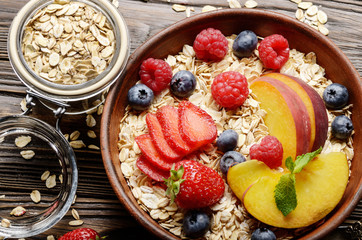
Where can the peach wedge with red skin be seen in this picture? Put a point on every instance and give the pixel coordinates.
(314, 104)
(296, 114)
(287, 117)
(319, 187)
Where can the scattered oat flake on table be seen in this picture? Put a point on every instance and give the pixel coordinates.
(91, 122)
(311, 11)
(22, 141)
(179, 8)
(251, 4)
(322, 17)
(299, 14)
(74, 135)
(92, 146)
(27, 154)
(76, 223)
(18, 211)
(296, 1)
(50, 237)
(35, 196)
(51, 181)
(208, 8)
(305, 5)
(2, 196)
(323, 29)
(75, 214)
(77, 144)
(91, 134)
(5, 223)
(45, 175)
(234, 4)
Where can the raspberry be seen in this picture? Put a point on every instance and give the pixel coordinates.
(274, 51)
(269, 151)
(210, 45)
(155, 74)
(230, 89)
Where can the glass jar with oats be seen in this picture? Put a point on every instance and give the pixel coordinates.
(69, 51)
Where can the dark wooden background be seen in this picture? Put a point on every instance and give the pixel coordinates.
(96, 203)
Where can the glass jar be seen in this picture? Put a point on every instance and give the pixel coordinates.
(47, 150)
(80, 97)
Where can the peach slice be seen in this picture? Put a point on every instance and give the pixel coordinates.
(319, 187)
(287, 117)
(314, 104)
(320, 113)
(295, 86)
(243, 176)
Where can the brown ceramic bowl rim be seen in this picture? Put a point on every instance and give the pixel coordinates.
(140, 215)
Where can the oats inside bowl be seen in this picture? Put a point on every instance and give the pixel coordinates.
(230, 220)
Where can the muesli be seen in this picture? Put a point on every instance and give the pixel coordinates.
(230, 220)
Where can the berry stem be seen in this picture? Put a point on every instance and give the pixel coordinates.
(174, 182)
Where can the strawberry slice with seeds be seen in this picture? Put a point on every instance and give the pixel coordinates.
(169, 120)
(150, 152)
(158, 139)
(197, 127)
(153, 172)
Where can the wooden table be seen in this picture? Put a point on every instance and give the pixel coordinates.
(96, 202)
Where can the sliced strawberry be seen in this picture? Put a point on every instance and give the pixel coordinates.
(158, 139)
(197, 127)
(149, 150)
(153, 172)
(168, 118)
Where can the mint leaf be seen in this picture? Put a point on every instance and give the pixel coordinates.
(289, 163)
(285, 195)
(304, 159)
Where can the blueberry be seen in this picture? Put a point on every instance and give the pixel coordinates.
(263, 234)
(227, 140)
(196, 223)
(342, 127)
(183, 83)
(140, 97)
(245, 43)
(335, 96)
(229, 159)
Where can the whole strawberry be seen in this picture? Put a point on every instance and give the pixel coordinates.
(194, 185)
(81, 234)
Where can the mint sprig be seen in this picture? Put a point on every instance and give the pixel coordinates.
(285, 194)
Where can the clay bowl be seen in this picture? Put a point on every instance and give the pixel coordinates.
(263, 23)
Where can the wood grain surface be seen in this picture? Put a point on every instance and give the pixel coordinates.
(96, 203)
